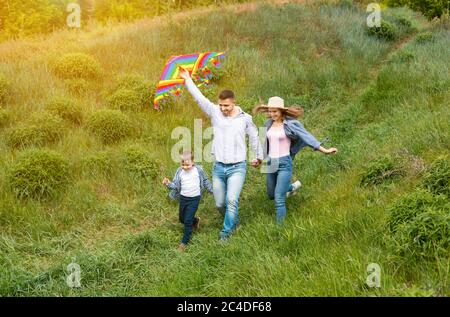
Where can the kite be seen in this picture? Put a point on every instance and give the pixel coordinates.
(198, 65)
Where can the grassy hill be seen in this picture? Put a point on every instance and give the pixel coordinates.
(383, 103)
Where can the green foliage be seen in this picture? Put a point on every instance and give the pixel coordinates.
(386, 31)
(133, 87)
(39, 173)
(76, 65)
(437, 178)
(66, 109)
(380, 170)
(109, 125)
(77, 86)
(139, 162)
(124, 99)
(143, 243)
(43, 128)
(5, 90)
(430, 8)
(100, 163)
(403, 56)
(424, 37)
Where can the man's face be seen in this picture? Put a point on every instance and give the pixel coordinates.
(226, 106)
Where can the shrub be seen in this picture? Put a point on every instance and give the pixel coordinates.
(124, 99)
(427, 235)
(76, 65)
(98, 163)
(437, 178)
(430, 8)
(66, 109)
(77, 86)
(404, 21)
(141, 88)
(404, 56)
(43, 128)
(109, 125)
(139, 162)
(39, 173)
(386, 31)
(4, 118)
(5, 90)
(424, 37)
(380, 170)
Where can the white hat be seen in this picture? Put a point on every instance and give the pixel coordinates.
(275, 102)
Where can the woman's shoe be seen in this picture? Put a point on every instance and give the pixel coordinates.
(296, 185)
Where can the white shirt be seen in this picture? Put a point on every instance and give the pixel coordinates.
(190, 182)
(228, 145)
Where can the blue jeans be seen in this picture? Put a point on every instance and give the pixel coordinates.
(228, 180)
(279, 183)
(188, 208)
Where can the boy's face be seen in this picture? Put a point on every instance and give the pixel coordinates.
(187, 164)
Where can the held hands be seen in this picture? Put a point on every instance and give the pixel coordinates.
(166, 181)
(255, 163)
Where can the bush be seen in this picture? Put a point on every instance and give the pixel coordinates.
(109, 125)
(139, 162)
(424, 37)
(77, 86)
(5, 90)
(380, 170)
(124, 99)
(39, 174)
(43, 128)
(404, 56)
(76, 65)
(386, 31)
(66, 109)
(430, 8)
(99, 163)
(141, 88)
(4, 118)
(427, 235)
(437, 178)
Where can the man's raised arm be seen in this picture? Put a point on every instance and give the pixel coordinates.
(207, 106)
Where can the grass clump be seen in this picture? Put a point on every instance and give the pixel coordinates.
(76, 65)
(4, 118)
(386, 31)
(143, 243)
(5, 90)
(139, 90)
(39, 173)
(109, 126)
(66, 109)
(139, 162)
(437, 178)
(100, 163)
(42, 129)
(424, 37)
(77, 86)
(124, 99)
(381, 170)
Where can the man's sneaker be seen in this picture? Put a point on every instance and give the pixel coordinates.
(181, 247)
(296, 185)
(197, 224)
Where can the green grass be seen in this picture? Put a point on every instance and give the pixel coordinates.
(371, 99)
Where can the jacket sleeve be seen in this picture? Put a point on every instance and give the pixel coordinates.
(301, 133)
(206, 183)
(172, 185)
(207, 106)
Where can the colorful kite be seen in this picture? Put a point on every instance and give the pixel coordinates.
(170, 83)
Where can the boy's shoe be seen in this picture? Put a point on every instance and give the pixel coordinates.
(197, 224)
(296, 185)
(181, 247)
(223, 239)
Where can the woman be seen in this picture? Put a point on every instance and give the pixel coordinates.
(285, 137)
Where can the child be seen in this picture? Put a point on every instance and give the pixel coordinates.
(187, 186)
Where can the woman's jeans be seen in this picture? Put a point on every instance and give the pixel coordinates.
(188, 208)
(228, 180)
(279, 183)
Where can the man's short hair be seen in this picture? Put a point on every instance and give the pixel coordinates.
(226, 94)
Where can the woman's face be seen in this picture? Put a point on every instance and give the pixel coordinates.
(275, 114)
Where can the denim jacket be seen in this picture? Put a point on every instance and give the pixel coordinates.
(175, 185)
(298, 135)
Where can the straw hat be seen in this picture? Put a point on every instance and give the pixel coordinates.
(275, 102)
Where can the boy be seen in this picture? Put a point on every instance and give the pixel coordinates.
(187, 186)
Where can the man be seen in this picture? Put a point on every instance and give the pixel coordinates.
(230, 126)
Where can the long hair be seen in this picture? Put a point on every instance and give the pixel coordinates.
(294, 111)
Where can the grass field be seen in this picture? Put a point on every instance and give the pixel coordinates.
(373, 98)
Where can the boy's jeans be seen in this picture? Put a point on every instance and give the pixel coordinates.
(279, 183)
(228, 180)
(188, 208)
